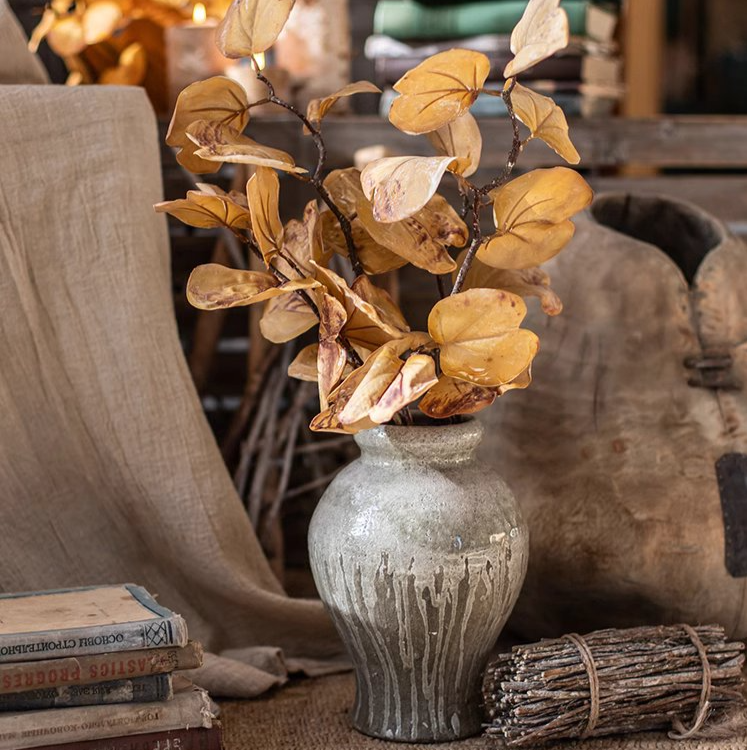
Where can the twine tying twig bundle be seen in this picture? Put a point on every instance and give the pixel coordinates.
(614, 682)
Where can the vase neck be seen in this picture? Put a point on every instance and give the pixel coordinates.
(432, 445)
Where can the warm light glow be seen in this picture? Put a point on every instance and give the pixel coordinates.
(260, 59)
(199, 13)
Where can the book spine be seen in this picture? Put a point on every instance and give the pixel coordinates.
(30, 729)
(138, 690)
(406, 19)
(86, 670)
(180, 739)
(129, 636)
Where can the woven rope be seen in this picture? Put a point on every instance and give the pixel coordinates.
(591, 670)
(704, 705)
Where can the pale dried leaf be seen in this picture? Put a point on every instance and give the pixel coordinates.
(66, 38)
(438, 90)
(382, 302)
(545, 121)
(251, 26)
(218, 100)
(479, 336)
(331, 356)
(529, 282)
(223, 143)
(400, 186)
(344, 185)
(416, 376)
(451, 396)
(375, 259)
(42, 29)
(130, 71)
(318, 108)
(263, 196)
(303, 367)
(461, 139)
(216, 287)
(100, 20)
(285, 318)
(205, 208)
(409, 239)
(541, 32)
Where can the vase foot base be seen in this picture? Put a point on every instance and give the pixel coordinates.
(421, 737)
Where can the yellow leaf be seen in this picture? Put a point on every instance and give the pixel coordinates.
(387, 363)
(400, 186)
(416, 376)
(66, 38)
(263, 195)
(42, 29)
(451, 396)
(521, 381)
(366, 325)
(318, 108)
(532, 216)
(442, 223)
(409, 239)
(251, 26)
(344, 185)
(100, 20)
(205, 208)
(215, 287)
(331, 356)
(529, 282)
(130, 70)
(461, 139)
(382, 302)
(285, 318)
(541, 32)
(479, 336)
(438, 90)
(218, 100)
(374, 258)
(303, 367)
(223, 143)
(545, 121)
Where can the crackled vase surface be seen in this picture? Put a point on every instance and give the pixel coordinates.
(419, 553)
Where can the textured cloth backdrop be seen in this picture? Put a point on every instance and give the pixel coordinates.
(108, 469)
(17, 64)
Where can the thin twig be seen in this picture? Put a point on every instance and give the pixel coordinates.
(316, 178)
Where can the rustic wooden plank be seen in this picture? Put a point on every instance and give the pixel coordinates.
(678, 141)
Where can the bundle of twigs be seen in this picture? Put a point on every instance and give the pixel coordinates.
(614, 682)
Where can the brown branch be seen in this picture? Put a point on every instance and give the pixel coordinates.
(516, 145)
(476, 194)
(316, 178)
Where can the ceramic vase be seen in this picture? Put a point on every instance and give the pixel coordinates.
(419, 552)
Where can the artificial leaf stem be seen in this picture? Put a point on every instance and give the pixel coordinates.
(476, 193)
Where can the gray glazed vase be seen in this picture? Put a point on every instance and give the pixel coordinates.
(419, 553)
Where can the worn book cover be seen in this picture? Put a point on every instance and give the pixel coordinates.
(190, 708)
(71, 622)
(179, 739)
(18, 677)
(138, 690)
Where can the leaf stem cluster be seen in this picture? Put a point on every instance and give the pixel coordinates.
(473, 195)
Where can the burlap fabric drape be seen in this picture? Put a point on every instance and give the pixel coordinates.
(17, 64)
(108, 469)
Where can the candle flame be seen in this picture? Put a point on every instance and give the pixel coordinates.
(260, 60)
(199, 13)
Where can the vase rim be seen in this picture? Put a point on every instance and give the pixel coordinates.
(436, 442)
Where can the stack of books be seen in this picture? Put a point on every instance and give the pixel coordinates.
(585, 79)
(98, 669)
